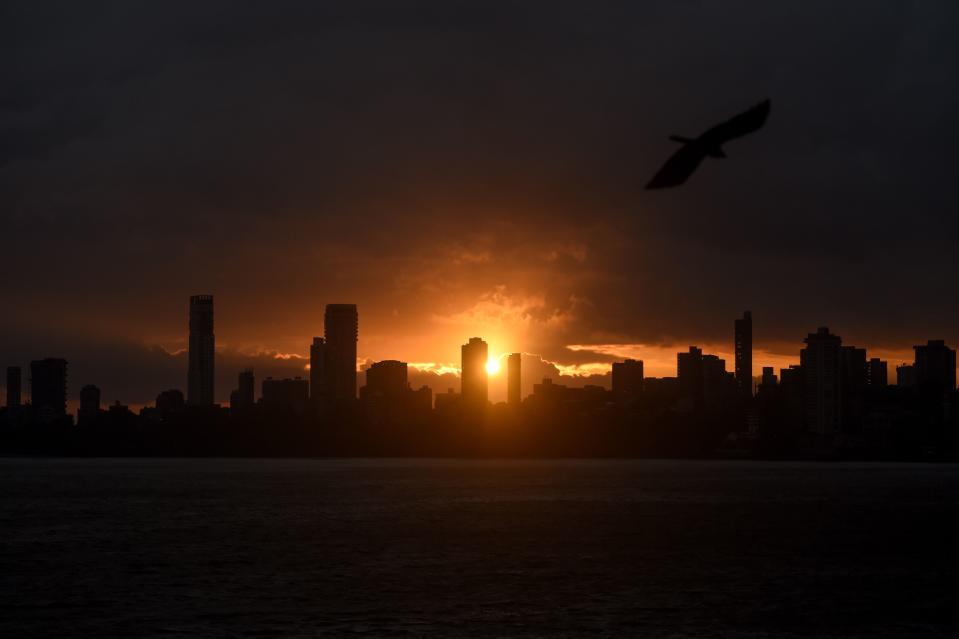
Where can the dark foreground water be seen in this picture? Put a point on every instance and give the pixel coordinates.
(302, 548)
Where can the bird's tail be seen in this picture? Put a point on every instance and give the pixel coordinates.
(679, 138)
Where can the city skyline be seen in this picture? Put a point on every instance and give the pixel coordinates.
(327, 374)
(659, 359)
(836, 401)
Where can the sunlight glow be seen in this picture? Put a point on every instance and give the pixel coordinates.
(435, 368)
(492, 365)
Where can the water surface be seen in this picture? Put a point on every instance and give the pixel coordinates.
(303, 548)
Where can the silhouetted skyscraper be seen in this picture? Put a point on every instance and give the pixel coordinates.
(387, 379)
(318, 382)
(854, 368)
(474, 355)
(202, 352)
(90, 398)
(855, 378)
(421, 402)
(342, 332)
(242, 399)
(627, 379)
(744, 354)
(936, 366)
(447, 403)
(878, 373)
(169, 402)
(769, 378)
(514, 379)
(48, 387)
(289, 394)
(14, 385)
(89, 404)
(821, 363)
(906, 375)
(689, 371)
(719, 385)
(792, 386)
(387, 397)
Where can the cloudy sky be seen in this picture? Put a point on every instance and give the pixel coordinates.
(470, 168)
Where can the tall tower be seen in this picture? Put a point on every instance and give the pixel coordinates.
(389, 379)
(514, 376)
(90, 398)
(342, 331)
(906, 376)
(245, 384)
(475, 381)
(89, 410)
(318, 374)
(241, 400)
(14, 384)
(48, 386)
(202, 352)
(878, 372)
(689, 373)
(821, 363)
(936, 366)
(744, 354)
(627, 379)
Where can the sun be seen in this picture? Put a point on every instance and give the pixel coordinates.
(492, 365)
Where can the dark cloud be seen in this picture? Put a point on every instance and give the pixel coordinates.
(430, 160)
(135, 372)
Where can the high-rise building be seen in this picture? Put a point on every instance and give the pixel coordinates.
(341, 332)
(855, 377)
(627, 379)
(514, 379)
(474, 355)
(421, 402)
(661, 391)
(245, 385)
(292, 395)
(703, 381)
(387, 396)
(936, 366)
(744, 354)
(448, 403)
(202, 352)
(90, 398)
(169, 402)
(14, 385)
(719, 386)
(689, 371)
(318, 380)
(387, 379)
(769, 378)
(89, 404)
(854, 369)
(878, 375)
(548, 392)
(821, 362)
(792, 386)
(906, 376)
(48, 387)
(242, 400)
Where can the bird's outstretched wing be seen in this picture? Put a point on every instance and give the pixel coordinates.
(677, 168)
(738, 126)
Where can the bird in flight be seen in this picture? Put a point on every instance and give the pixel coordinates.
(684, 162)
